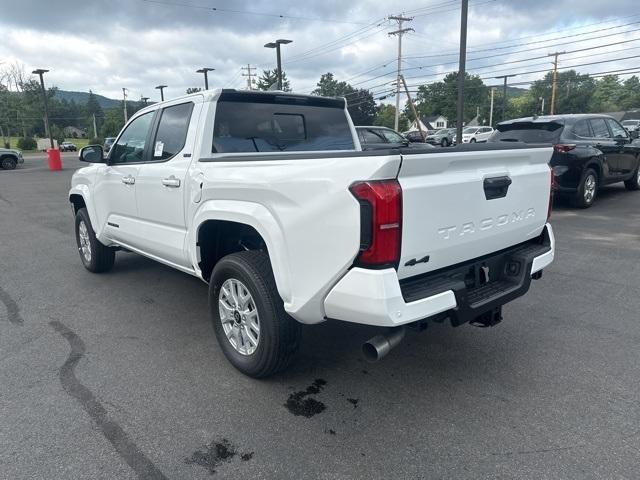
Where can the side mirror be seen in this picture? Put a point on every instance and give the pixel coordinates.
(91, 154)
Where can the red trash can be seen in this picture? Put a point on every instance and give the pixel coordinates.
(53, 158)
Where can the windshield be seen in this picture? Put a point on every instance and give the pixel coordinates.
(444, 131)
(528, 132)
(469, 130)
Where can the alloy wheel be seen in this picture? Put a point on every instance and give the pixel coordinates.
(239, 316)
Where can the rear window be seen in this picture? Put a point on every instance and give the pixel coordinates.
(528, 132)
(248, 123)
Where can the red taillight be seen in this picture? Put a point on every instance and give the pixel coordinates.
(552, 188)
(563, 147)
(381, 217)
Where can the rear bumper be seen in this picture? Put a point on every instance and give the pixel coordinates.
(377, 297)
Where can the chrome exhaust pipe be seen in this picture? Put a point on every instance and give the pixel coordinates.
(379, 346)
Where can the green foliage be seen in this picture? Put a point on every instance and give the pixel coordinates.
(7, 144)
(360, 102)
(269, 79)
(191, 90)
(113, 122)
(96, 141)
(386, 117)
(27, 143)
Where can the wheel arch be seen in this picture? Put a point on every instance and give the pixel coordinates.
(223, 227)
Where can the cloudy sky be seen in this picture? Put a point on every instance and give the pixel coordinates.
(107, 45)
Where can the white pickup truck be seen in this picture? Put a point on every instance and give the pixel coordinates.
(268, 197)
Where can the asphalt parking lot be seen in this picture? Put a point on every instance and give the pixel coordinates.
(119, 375)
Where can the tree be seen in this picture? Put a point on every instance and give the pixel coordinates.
(113, 122)
(360, 102)
(440, 98)
(191, 90)
(607, 94)
(630, 93)
(386, 117)
(269, 80)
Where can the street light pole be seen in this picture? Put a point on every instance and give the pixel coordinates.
(504, 95)
(493, 91)
(40, 72)
(276, 45)
(144, 100)
(205, 70)
(124, 102)
(161, 88)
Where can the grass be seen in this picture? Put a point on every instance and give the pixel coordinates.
(78, 142)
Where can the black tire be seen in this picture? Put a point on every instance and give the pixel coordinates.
(279, 333)
(8, 163)
(101, 257)
(444, 143)
(473, 140)
(581, 199)
(634, 182)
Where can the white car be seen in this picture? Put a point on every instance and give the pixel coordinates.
(474, 134)
(632, 126)
(268, 197)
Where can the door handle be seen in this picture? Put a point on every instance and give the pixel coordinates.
(128, 180)
(171, 182)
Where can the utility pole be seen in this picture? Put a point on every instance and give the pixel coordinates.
(542, 105)
(161, 88)
(95, 128)
(40, 72)
(493, 91)
(401, 31)
(124, 97)
(205, 70)
(413, 107)
(249, 75)
(552, 108)
(462, 65)
(504, 94)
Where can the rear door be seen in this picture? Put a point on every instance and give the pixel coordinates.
(160, 186)
(459, 205)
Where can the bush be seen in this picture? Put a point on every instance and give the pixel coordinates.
(27, 143)
(96, 141)
(7, 144)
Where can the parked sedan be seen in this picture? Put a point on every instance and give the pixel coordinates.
(376, 138)
(68, 147)
(442, 137)
(590, 151)
(474, 134)
(415, 136)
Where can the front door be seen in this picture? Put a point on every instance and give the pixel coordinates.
(606, 144)
(160, 184)
(625, 155)
(115, 187)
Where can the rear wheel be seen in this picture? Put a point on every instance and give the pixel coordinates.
(8, 163)
(445, 142)
(95, 256)
(634, 182)
(253, 330)
(587, 190)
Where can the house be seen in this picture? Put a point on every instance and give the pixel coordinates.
(74, 132)
(433, 122)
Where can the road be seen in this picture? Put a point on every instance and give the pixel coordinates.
(119, 375)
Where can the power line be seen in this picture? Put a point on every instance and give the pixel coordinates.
(248, 12)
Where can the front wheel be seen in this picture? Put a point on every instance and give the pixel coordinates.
(587, 190)
(95, 256)
(473, 140)
(253, 329)
(9, 163)
(444, 143)
(634, 182)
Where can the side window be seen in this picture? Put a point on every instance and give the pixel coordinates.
(392, 137)
(371, 136)
(599, 128)
(131, 145)
(617, 129)
(172, 131)
(581, 129)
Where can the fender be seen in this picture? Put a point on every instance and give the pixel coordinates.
(84, 191)
(256, 216)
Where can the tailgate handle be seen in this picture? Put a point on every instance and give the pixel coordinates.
(496, 187)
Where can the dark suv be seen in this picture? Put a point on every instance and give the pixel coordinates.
(589, 151)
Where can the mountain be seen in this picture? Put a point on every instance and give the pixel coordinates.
(81, 98)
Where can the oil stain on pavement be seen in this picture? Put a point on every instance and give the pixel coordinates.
(123, 444)
(217, 452)
(300, 404)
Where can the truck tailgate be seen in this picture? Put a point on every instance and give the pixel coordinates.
(460, 205)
